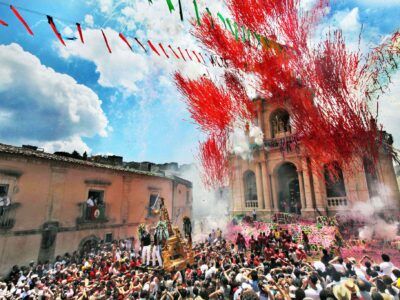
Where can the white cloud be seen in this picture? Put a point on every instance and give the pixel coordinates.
(89, 20)
(349, 21)
(106, 5)
(41, 106)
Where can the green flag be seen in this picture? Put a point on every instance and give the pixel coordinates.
(170, 6)
(196, 9)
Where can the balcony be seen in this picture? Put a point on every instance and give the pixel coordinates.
(91, 215)
(288, 143)
(337, 202)
(7, 216)
(251, 203)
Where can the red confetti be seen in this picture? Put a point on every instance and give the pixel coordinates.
(324, 86)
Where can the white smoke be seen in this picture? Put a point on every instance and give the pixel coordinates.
(210, 207)
(241, 141)
(376, 216)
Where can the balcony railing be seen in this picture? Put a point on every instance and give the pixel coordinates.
(337, 202)
(7, 216)
(94, 214)
(251, 203)
(287, 143)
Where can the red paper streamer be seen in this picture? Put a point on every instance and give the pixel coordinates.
(3, 23)
(54, 28)
(325, 96)
(140, 44)
(162, 48)
(106, 41)
(21, 19)
(176, 55)
(78, 26)
(125, 40)
(180, 51)
(153, 48)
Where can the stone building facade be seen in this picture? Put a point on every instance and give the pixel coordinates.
(48, 214)
(279, 179)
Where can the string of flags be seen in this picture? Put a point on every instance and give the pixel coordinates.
(233, 27)
(184, 54)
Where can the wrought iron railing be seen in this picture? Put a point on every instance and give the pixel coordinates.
(7, 215)
(92, 214)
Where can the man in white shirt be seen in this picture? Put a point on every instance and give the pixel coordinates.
(386, 266)
(314, 288)
(90, 202)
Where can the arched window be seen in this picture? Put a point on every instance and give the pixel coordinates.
(334, 181)
(371, 177)
(250, 188)
(280, 122)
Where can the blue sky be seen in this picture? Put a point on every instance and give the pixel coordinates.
(80, 97)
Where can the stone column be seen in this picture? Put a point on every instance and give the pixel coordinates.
(302, 193)
(259, 181)
(274, 185)
(266, 188)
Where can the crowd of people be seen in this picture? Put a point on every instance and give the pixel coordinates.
(269, 266)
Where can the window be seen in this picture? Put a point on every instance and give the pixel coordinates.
(250, 187)
(4, 189)
(152, 202)
(280, 122)
(334, 181)
(108, 237)
(371, 176)
(97, 196)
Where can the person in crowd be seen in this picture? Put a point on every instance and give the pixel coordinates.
(280, 271)
(156, 250)
(146, 247)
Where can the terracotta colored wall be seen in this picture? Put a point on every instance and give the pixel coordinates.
(48, 191)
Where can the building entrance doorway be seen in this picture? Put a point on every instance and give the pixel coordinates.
(288, 189)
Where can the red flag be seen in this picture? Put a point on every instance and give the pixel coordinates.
(180, 51)
(141, 45)
(153, 48)
(3, 23)
(78, 26)
(189, 55)
(106, 41)
(21, 19)
(53, 26)
(176, 55)
(162, 48)
(196, 56)
(202, 57)
(125, 40)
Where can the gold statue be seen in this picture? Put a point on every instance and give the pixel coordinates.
(176, 252)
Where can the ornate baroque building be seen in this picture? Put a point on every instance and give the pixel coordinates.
(279, 178)
(48, 211)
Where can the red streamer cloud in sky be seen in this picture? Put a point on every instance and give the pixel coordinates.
(323, 85)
